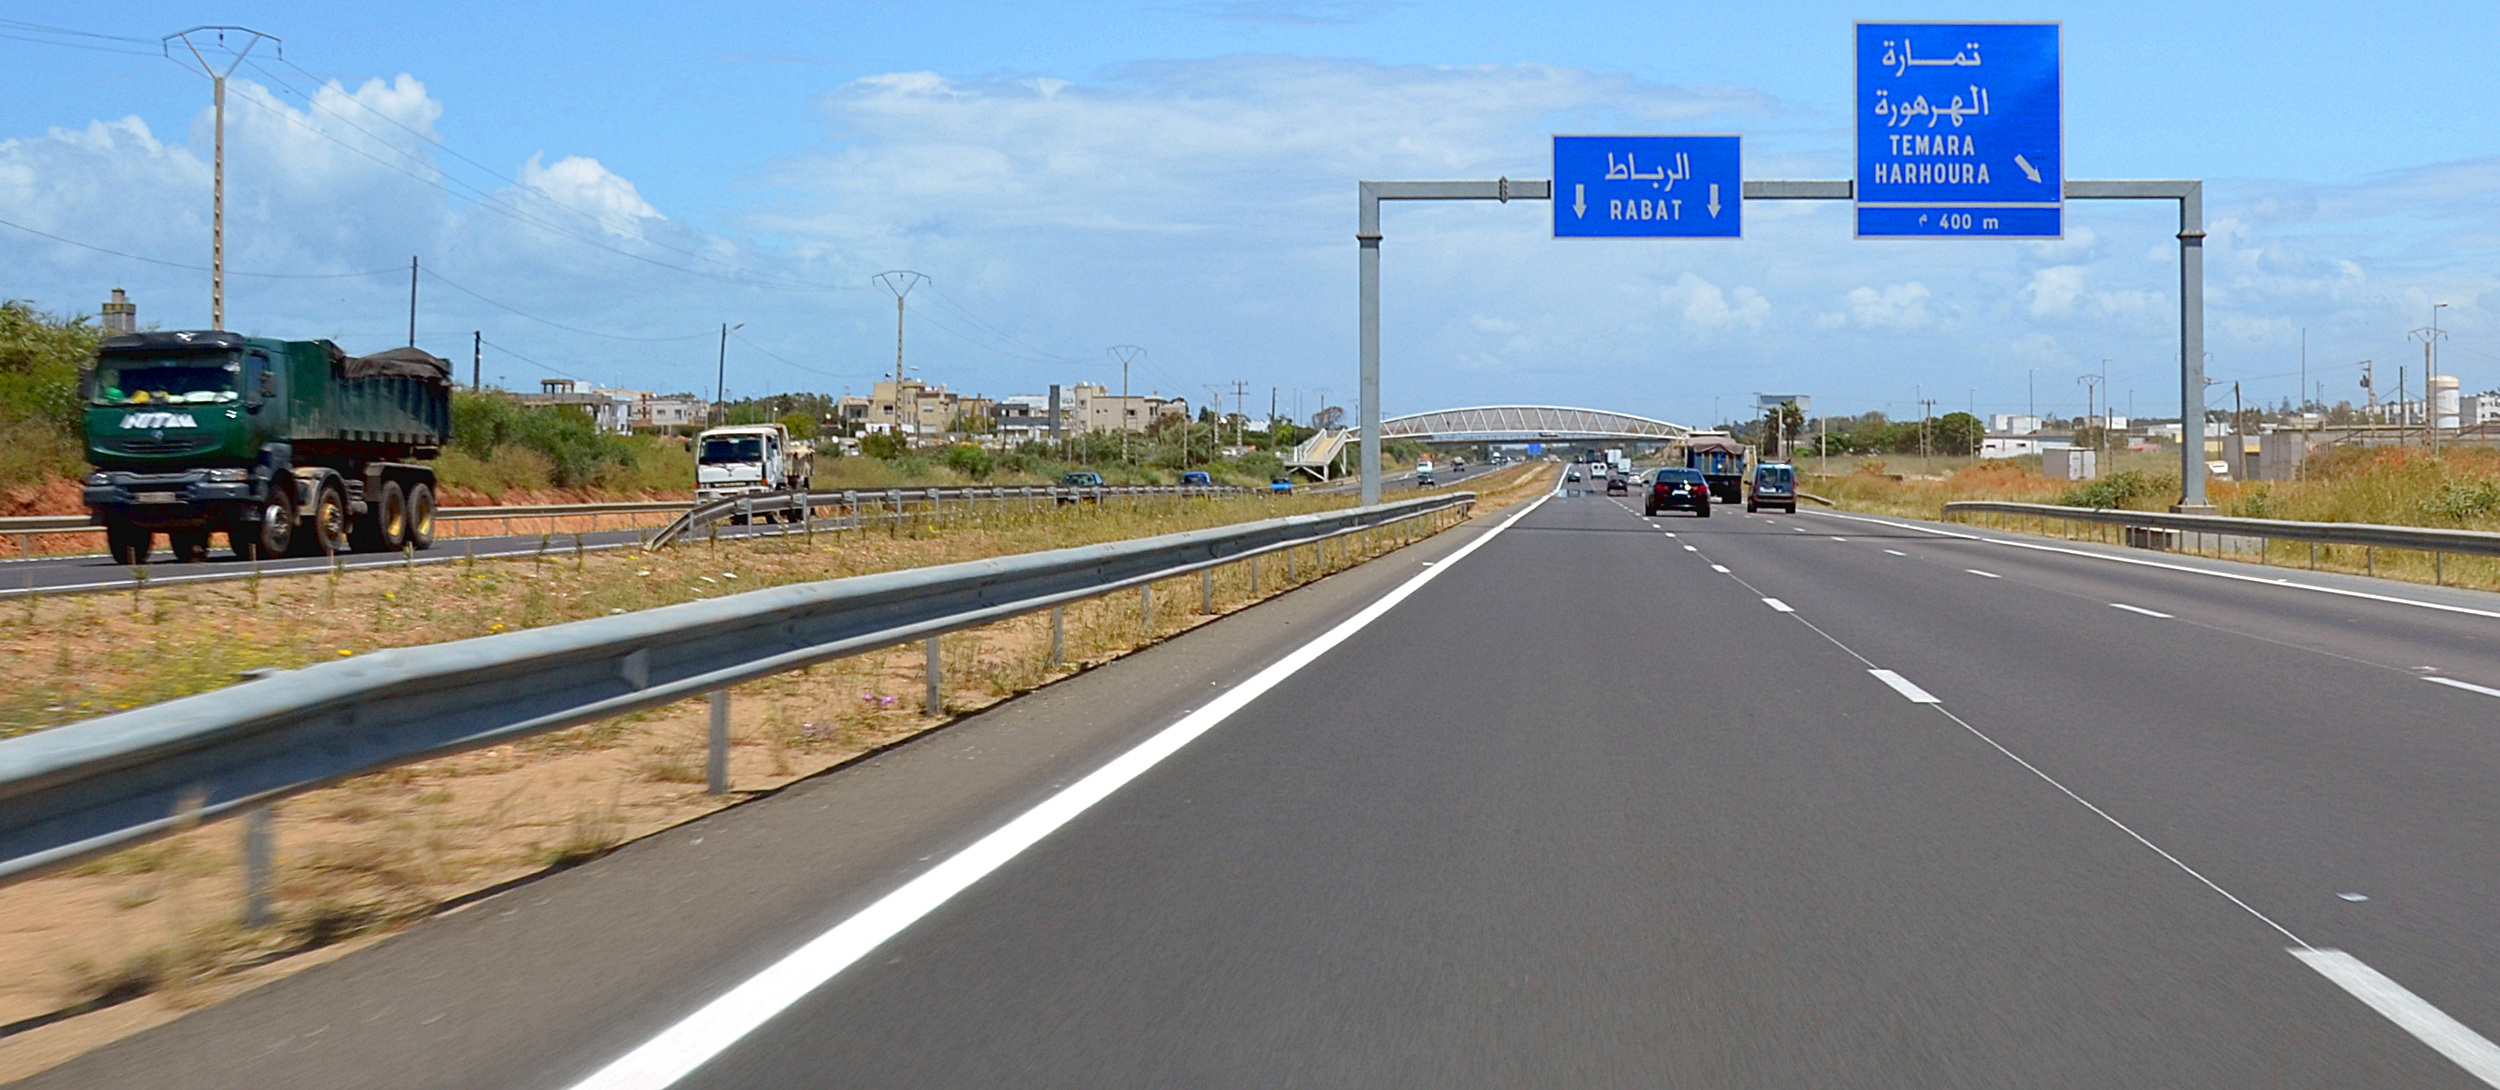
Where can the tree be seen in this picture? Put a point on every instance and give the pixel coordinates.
(802, 425)
(1958, 434)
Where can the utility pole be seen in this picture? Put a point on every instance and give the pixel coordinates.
(217, 198)
(720, 382)
(1241, 416)
(1126, 354)
(900, 282)
(2429, 336)
(2371, 413)
(1215, 427)
(2304, 369)
(2031, 398)
(1927, 406)
(477, 358)
(412, 300)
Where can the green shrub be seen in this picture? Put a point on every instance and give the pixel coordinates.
(2461, 501)
(40, 356)
(969, 460)
(2120, 489)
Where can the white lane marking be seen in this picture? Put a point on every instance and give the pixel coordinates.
(1840, 539)
(2465, 685)
(2139, 609)
(1905, 687)
(1799, 529)
(1691, 549)
(1983, 574)
(1781, 606)
(694, 1040)
(2411, 1013)
(1896, 552)
(1719, 568)
(2285, 583)
(1670, 533)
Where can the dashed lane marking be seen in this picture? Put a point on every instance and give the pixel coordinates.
(2140, 609)
(1905, 687)
(1781, 606)
(1983, 574)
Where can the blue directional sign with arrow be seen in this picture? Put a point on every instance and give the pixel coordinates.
(1649, 187)
(1960, 130)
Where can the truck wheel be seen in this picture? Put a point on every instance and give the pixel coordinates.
(385, 524)
(420, 516)
(324, 532)
(128, 544)
(269, 534)
(190, 546)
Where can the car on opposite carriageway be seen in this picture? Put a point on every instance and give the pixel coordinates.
(1677, 487)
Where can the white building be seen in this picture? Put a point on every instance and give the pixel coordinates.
(2012, 424)
(2015, 446)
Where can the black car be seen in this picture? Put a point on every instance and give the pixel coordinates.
(1616, 485)
(1683, 488)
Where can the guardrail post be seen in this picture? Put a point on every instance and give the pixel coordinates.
(259, 850)
(2313, 556)
(1254, 576)
(2439, 568)
(2370, 556)
(1290, 575)
(1206, 590)
(933, 702)
(1145, 607)
(716, 757)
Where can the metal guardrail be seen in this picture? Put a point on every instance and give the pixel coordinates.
(2163, 530)
(90, 787)
(26, 527)
(853, 504)
(2376, 535)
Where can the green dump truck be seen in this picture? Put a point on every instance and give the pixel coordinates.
(288, 448)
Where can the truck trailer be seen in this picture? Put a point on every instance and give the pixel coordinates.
(288, 448)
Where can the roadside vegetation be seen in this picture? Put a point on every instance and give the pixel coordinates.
(151, 930)
(2453, 488)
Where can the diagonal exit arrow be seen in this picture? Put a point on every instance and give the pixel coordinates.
(1714, 200)
(1579, 200)
(2029, 171)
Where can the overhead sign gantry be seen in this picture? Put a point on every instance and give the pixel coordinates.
(1960, 135)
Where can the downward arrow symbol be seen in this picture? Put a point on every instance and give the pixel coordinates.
(1579, 200)
(1714, 200)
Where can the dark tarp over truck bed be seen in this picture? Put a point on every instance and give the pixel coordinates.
(415, 363)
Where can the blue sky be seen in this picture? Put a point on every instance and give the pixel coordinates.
(1180, 176)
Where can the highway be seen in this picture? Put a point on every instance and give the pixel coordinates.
(1575, 799)
(70, 574)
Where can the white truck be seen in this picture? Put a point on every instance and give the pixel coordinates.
(750, 459)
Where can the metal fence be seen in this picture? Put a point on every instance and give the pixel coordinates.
(2194, 533)
(91, 787)
(852, 508)
(23, 530)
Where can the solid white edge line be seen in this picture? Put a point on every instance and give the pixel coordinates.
(2411, 1013)
(1781, 606)
(1905, 687)
(695, 1039)
(2465, 685)
(2285, 583)
(2140, 609)
(1983, 574)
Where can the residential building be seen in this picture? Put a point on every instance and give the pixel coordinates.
(2012, 423)
(1996, 445)
(1092, 407)
(610, 414)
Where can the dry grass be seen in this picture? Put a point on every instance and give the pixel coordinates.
(2400, 486)
(376, 853)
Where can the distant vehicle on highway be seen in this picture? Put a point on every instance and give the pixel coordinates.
(1081, 480)
(1617, 485)
(1685, 488)
(1280, 484)
(1423, 475)
(1571, 476)
(1774, 485)
(751, 459)
(1197, 476)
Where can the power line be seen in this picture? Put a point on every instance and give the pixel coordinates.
(439, 278)
(532, 362)
(192, 268)
(39, 28)
(741, 339)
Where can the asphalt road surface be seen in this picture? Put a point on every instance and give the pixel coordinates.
(1772, 801)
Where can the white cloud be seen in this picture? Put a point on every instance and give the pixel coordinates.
(1895, 307)
(1489, 324)
(582, 185)
(1706, 308)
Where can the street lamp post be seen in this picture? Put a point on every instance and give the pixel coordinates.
(720, 379)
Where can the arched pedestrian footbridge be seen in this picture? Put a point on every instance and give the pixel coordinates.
(1525, 424)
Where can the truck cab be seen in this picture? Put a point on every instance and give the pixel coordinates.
(747, 459)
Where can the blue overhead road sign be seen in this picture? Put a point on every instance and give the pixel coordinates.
(1649, 187)
(1960, 130)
